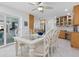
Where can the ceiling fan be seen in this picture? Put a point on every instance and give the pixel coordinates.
(40, 6)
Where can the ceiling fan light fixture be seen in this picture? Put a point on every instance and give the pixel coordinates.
(40, 8)
(36, 3)
(66, 10)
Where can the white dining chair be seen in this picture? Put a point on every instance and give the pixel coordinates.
(54, 42)
(53, 36)
(42, 49)
(21, 46)
(50, 40)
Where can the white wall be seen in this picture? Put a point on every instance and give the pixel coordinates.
(50, 24)
(25, 28)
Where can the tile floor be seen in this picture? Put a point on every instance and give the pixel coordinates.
(64, 50)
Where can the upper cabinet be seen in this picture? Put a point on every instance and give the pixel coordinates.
(64, 21)
(76, 15)
(31, 23)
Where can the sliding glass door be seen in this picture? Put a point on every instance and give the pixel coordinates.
(1, 30)
(11, 28)
(8, 29)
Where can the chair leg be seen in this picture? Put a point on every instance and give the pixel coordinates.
(21, 51)
(16, 46)
(48, 54)
(22, 45)
(52, 50)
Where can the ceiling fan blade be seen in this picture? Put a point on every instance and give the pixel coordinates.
(35, 3)
(47, 7)
(34, 9)
(32, 4)
(39, 3)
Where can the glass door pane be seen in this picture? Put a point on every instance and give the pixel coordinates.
(11, 28)
(1, 30)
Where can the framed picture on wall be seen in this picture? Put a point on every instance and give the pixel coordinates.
(25, 23)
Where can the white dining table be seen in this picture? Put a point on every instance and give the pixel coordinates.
(29, 42)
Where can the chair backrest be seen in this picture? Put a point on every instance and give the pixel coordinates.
(46, 42)
(47, 38)
(55, 38)
(52, 32)
(56, 34)
(50, 35)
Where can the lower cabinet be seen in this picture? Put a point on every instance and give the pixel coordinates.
(72, 36)
(62, 34)
(75, 39)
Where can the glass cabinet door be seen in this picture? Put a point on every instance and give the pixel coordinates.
(11, 28)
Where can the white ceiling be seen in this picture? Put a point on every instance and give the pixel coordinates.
(58, 8)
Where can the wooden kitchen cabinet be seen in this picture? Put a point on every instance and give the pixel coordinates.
(62, 34)
(76, 15)
(68, 35)
(75, 39)
(64, 21)
(31, 23)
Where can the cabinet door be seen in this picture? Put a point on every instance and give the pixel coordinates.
(75, 39)
(31, 23)
(76, 15)
(62, 34)
(57, 21)
(61, 21)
